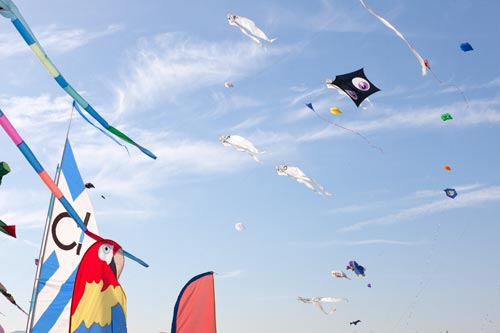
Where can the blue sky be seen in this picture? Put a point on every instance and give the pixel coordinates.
(157, 69)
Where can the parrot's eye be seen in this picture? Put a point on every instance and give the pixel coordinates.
(106, 252)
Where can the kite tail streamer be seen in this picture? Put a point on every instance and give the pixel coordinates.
(258, 152)
(322, 188)
(250, 36)
(26, 313)
(400, 35)
(11, 299)
(308, 180)
(368, 102)
(319, 306)
(350, 130)
(33, 161)
(255, 158)
(77, 108)
(30, 39)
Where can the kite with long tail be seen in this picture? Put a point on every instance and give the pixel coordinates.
(421, 60)
(9, 10)
(310, 106)
(424, 63)
(33, 161)
(11, 299)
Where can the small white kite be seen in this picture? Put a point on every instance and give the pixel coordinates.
(228, 84)
(240, 226)
(298, 175)
(317, 302)
(241, 144)
(340, 275)
(249, 28)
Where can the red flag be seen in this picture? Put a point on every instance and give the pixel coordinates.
(194, 310)
(8, 229)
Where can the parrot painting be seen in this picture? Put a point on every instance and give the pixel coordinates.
(99, 302)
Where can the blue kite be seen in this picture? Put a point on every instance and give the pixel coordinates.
(466, 47)
(356, 268)
(450, 192)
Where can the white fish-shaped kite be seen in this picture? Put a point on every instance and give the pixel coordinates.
(301, 177)
(228, 84)
(340, 275)
(241, 144)
(317, 302)
(248, 28)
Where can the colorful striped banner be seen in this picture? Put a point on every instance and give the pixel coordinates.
(33, 161)
(9, 10)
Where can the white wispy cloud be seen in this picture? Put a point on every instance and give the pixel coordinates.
(19, 217)
(359, 242)
(31, 244)
(41, 121)
(298, 112)
(12, 44)
(300, 88)
(276, 144)
(60, 41)
(434, 193)
(410, 199)
(485, 112)
(475, 197)
(248, 123)
(14, 201)
(170, 64)
(357, 208)
(306, 96)
(9, 243)
(179, 158)
(53, 39)
(43, 110)
(337, 17)
(228, 275)
(225, 104)
(176, 157)
(494, 82)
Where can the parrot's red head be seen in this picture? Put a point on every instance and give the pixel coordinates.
(104, 256)
(103, 262)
